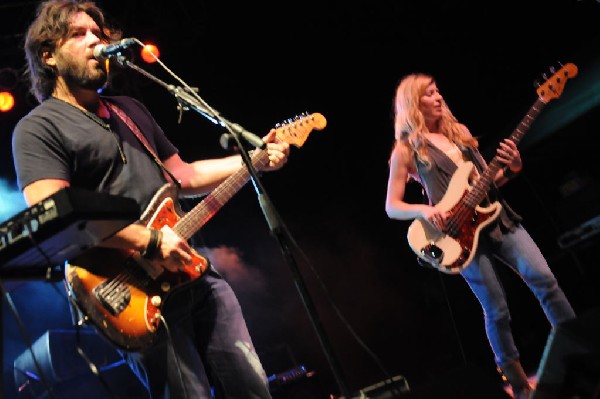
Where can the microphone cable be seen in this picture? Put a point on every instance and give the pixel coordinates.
(27, 340)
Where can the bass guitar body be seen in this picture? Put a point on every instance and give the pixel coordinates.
(452, 252)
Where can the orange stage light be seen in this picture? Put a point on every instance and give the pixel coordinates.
(148, 51)
(7, 101)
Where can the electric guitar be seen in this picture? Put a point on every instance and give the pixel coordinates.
(451, 249)
(121, 293)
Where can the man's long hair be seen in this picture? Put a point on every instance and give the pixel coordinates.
(50, 27)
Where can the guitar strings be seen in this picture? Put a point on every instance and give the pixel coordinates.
(464, 212)
(112, 290)
(212, 201)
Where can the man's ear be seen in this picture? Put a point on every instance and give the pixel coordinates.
(48, 58)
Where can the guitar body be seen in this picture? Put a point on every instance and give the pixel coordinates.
(452, 249)
(452, 253)
(121, 293)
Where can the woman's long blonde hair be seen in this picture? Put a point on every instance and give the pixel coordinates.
(409, 124)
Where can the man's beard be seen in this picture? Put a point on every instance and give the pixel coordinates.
(80, 75)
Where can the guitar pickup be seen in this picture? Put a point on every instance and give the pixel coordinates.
(114, 297)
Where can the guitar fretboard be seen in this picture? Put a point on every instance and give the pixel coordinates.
(481, 188)
(189, 224)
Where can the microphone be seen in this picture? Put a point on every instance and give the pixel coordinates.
(225, 140)
(104, 51)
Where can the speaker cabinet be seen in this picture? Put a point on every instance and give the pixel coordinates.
(55, 369)
(570, 365)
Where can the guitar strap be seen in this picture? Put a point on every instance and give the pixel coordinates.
(140, 136)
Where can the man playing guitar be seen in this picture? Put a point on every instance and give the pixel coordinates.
(77, 138)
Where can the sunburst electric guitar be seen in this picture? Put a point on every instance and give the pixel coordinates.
(451, 250)
(120, 293)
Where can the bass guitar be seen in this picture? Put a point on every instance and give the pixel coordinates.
(121, 293)
(451, 249)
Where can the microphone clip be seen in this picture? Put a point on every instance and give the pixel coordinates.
(227, 138)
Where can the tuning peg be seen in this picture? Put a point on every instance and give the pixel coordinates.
(303, 115)
(536, 83)
(292, 121)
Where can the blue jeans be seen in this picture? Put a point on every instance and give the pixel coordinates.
(209, 337)
(518, 250)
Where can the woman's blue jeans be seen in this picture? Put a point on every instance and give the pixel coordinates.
(518, 250)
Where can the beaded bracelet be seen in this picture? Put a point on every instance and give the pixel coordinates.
(153, 244)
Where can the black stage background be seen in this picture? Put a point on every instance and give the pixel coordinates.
(260, 64)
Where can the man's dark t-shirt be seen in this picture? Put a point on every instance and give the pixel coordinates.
(59, 141)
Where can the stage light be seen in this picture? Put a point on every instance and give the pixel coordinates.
(150, 53)
(7, 101)
(9, 80)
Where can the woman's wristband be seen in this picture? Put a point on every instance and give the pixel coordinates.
(153, 244)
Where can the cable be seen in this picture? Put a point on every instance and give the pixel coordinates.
(452, 319)
(388, 379)
(91, 365)
(27, 340)
(170, 339)
(20, 324)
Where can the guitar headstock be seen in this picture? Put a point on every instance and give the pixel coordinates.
(553, 87)
(295, 131)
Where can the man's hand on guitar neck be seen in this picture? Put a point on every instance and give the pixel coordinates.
(277, 150)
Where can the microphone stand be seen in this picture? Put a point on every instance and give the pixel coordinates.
(188, 99)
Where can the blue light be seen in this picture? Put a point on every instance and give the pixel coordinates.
(11, 200)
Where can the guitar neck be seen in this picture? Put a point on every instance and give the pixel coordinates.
(481, 188)
(294, 132)
(192, 221)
